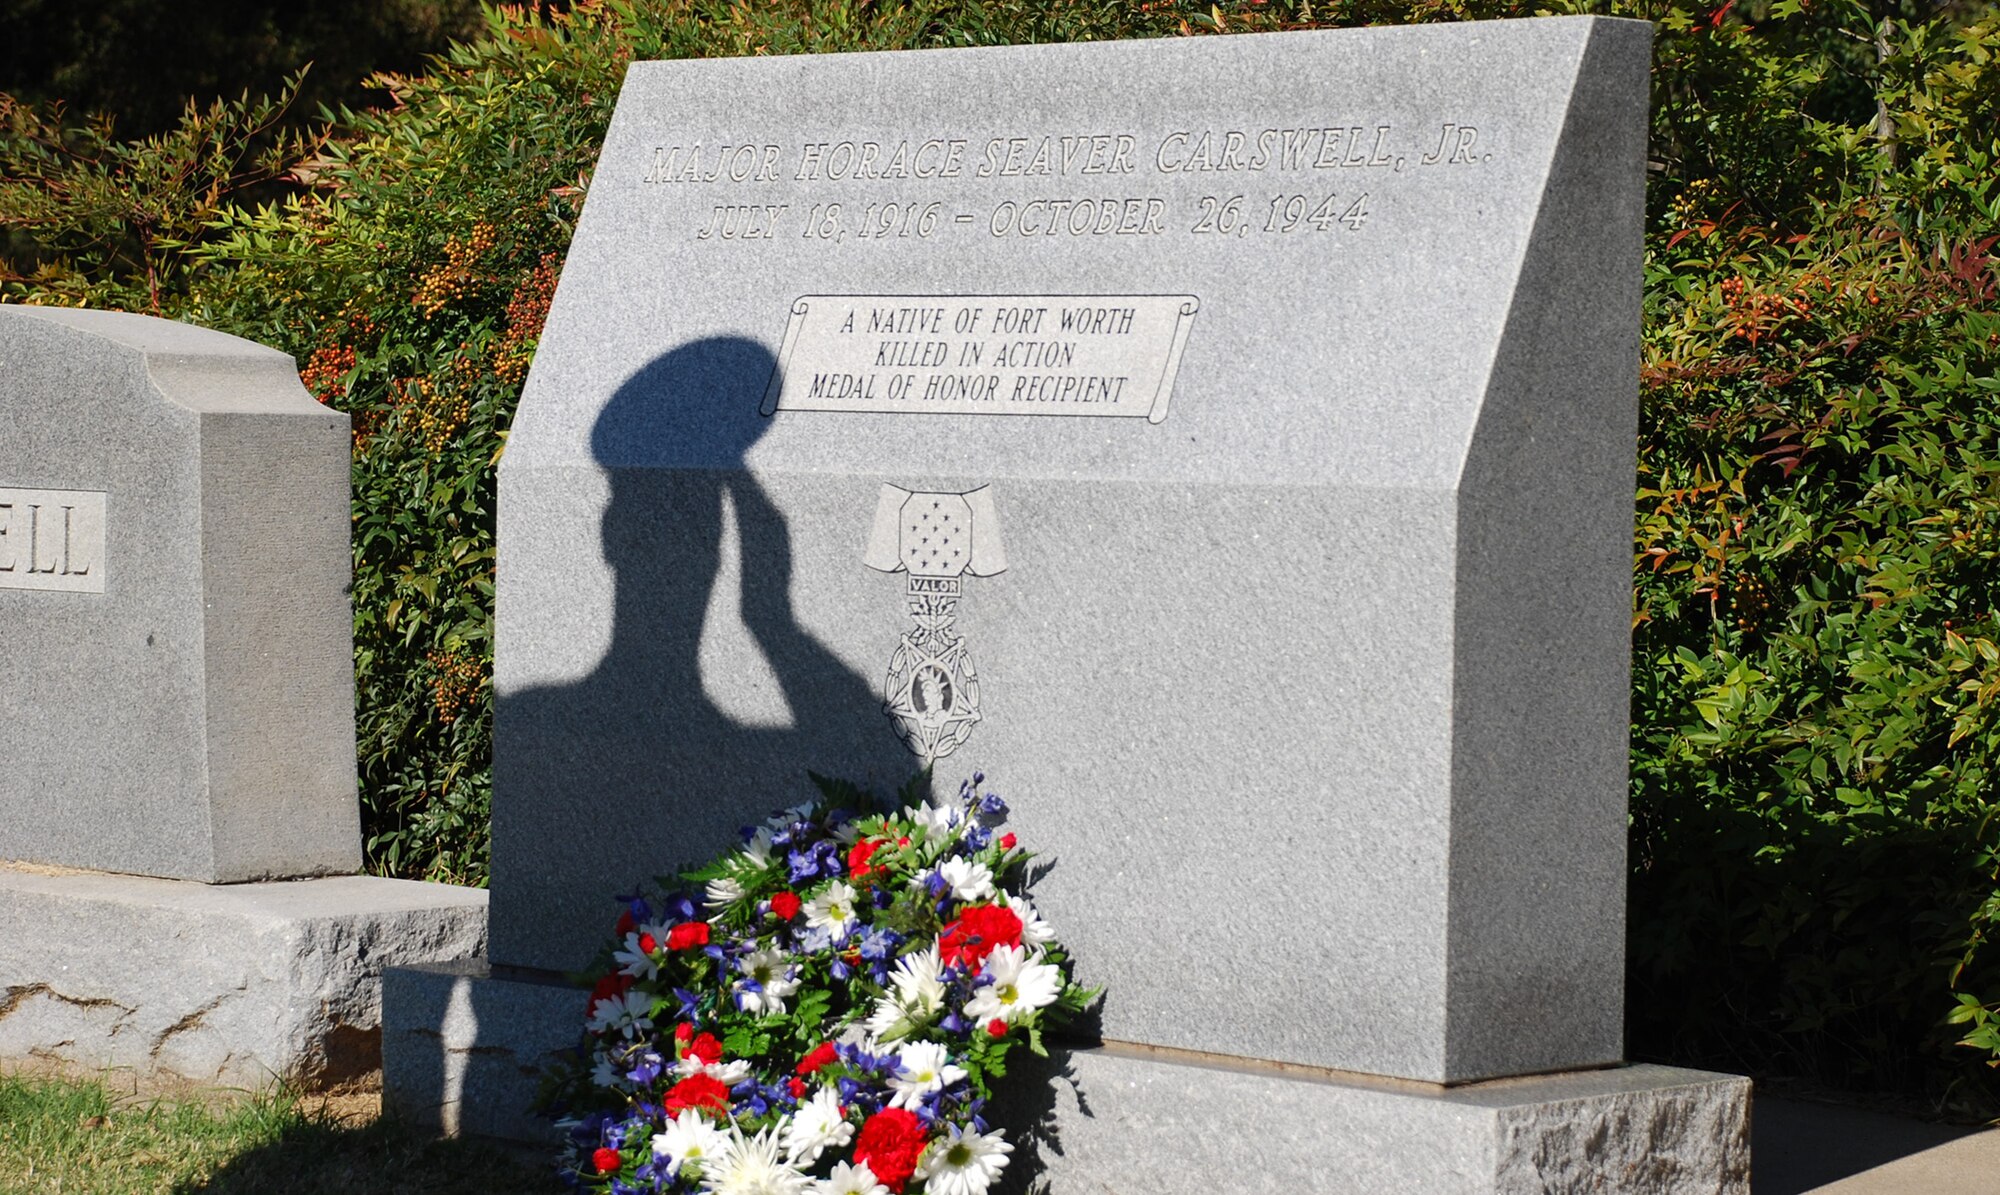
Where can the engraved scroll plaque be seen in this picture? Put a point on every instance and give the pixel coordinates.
(1103, 355)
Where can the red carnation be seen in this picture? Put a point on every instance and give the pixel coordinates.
(648, 943)
(706, 1048)
(683, 1032)
(626, 923)
(858, 856)
(703, 1093)
(1007, 841)
(797, 1086)
(821, 1054)
(687, 934)
(975, 933)
(785, 905)
(607, 1161)
(996, 1028)
(889, 1144)
(608, 988)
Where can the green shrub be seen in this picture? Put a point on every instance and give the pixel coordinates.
(1815, 671)
(1816, 675)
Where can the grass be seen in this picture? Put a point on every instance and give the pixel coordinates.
(64, 1137)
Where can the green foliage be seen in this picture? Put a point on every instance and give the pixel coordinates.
(410, 280)
(1816, 723)
(108, 222)
(138, 60)
(1816, 671)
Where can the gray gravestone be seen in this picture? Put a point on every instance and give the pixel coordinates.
(178, 662)
(1250, 421)
(177, 700)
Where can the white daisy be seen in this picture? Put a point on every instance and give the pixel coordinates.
(970, 880)
(722, 892)
(785, 817)
(921, 1068)
(636, 962)
(833, 911)
(1034, 930)
(917, 997)
(691, 1140)
(626, 1013)
(607, 1074)
(817, 1125)
(1016, 985)
(856, 1179)
(935, 818)
(772, 974)
(964, 1162)
(752, 1167)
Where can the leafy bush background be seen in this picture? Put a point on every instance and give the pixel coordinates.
(1815, 851)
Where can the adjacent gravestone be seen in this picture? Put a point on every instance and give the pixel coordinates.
(1227, 444)
(177, 701)
(173, 569)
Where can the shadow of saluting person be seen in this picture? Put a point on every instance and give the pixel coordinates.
(637, 749)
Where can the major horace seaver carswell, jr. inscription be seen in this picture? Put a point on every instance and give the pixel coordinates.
(1338, 171)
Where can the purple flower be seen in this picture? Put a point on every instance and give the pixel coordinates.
(820, 859)
(648, 1069)
(880, 944)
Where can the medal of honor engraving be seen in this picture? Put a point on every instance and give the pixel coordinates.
(932, 691)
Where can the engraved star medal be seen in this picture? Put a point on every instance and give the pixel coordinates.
(932, 691)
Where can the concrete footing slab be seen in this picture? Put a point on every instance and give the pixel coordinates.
(463, 1050)
(234, 985)
(1126, 1119)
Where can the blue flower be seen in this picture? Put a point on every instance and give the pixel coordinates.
(648, 1069)
(879, 945)
(819, 859)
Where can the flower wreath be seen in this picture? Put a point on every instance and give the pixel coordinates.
(828, 1017)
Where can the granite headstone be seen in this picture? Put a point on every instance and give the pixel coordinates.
(1225, 444)
(177, 655)
(1279, 394)
(177, 704)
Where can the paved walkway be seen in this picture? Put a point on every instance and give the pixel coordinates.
(1820, 1149)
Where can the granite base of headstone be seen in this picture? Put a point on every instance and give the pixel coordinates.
(177, 718)
(1259, 413)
